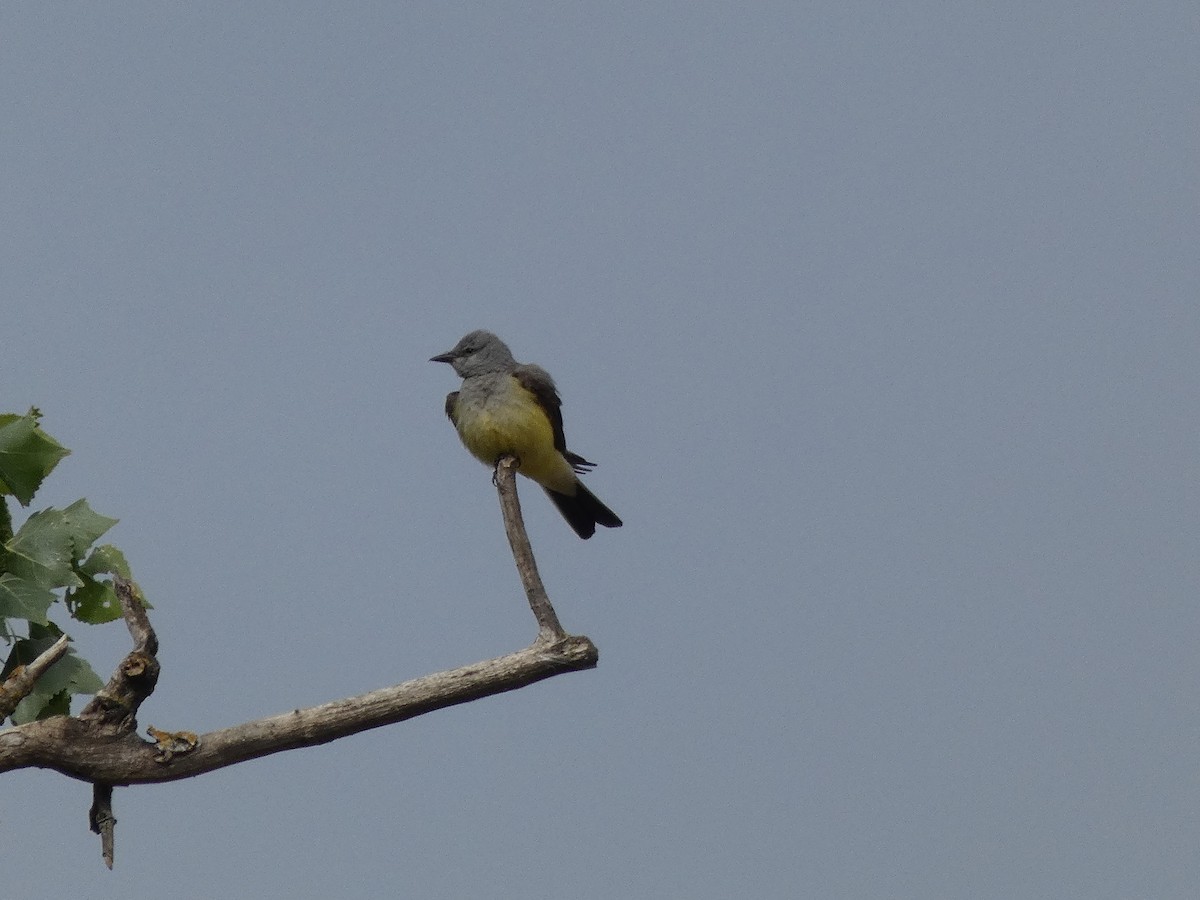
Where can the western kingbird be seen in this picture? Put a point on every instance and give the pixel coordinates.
(507, 407)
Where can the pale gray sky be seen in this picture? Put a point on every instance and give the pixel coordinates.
(880, 320)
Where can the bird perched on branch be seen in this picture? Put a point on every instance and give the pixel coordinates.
(509, 408)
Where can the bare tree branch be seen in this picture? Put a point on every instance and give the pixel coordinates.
(113, 711)
(549, 629)
(116, 704)
(22, 679)
(102, 820)
(70, 746)
(101, 745)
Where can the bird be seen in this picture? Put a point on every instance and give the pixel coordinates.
(509, 408)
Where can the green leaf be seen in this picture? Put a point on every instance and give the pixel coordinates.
(47, 546)
(27, 455)
(5, 520)
(106, 558)
(19, 599)
(42, 551)
(95, 603)
(86, 525)
(58, 705)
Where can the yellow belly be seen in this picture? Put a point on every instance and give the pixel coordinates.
(518, 426)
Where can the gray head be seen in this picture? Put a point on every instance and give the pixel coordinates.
(478, 353)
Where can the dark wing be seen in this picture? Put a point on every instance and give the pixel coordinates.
(538, 382)
(451, 402)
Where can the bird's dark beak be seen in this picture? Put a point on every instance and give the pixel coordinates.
(443, 357)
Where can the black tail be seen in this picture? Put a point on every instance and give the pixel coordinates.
(584, 512)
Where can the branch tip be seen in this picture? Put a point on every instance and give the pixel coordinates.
(102, 821)
(21, 680)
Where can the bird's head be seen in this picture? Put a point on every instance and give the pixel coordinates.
(478, 353)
